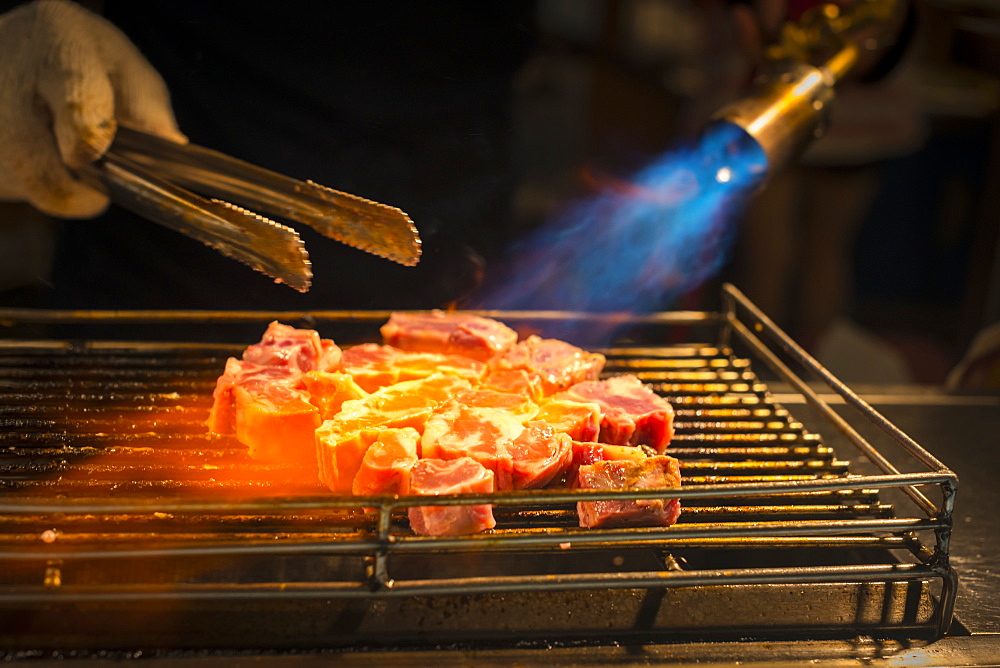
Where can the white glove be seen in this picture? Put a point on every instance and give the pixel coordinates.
(67, 78)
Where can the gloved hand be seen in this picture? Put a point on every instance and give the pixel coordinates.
(68, 77)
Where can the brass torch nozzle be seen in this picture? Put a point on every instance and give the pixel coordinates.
(785, 111)
(787, 108)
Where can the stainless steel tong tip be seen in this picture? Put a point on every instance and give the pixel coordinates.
(376, 228)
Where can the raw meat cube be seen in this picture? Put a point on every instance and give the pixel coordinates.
(385, 467)
(276, 423)
(339, 454)
(555, 363)
(296, 349)
(450, 333)
(374, 366)
(283, 355)
(579, 419)
(539, 456)
(328, 390)
(433, 477)
(632, 413)
(590, 453)
(517, 381)
(518, 405)
(650, 472)
(483, 434)
(254, 377)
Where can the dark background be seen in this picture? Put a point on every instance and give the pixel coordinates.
(502, 110)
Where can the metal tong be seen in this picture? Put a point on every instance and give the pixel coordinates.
(201, 193)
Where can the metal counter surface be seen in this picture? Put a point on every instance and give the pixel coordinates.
(964, 433)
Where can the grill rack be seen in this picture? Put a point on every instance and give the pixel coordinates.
(73, 518)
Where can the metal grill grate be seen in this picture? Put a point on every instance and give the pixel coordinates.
(113, 494)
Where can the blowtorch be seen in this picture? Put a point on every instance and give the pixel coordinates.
(788, 105)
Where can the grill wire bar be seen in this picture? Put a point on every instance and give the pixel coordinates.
(734, 301)
(111, 492)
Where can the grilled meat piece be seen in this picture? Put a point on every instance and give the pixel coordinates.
(341, 442)
(580, 420)
(328, 390)
(517, 405)
(516, 381)
(539, 455)
(262, 399)
(650, 472)
(584, 454)
(432, 477)
(295, 349)
(632, 414)
(374, 366)
(385, 467)
(484, 434)
(449, 333)
(277, 424)
(556, 364)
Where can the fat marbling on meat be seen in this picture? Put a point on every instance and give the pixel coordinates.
(554, 363)
(341, 442)
(580, 420)
(632, 414)
(385, 467)
(450, 333)
(650, 472)
(261, 397)
(373, 366)
(296, 349)
(539, 455)
(433, 477)
(482, 433)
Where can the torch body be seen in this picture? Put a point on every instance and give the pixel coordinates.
(783, 112)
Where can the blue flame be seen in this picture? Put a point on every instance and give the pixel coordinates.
(636, 249)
